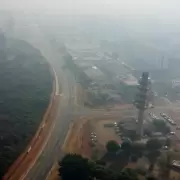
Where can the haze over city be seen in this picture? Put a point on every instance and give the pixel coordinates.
(164, 9)
(89, 89)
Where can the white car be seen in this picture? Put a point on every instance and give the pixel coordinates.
(172, 133)
(163, 115)
(165, 147)
(93, 134)
(173, 123)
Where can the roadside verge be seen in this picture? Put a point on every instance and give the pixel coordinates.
(31, 152)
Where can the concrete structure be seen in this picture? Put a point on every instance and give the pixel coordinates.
(141, 101)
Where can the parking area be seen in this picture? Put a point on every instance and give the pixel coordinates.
(170, 116)
(105, 131)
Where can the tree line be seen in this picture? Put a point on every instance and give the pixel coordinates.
(25, 88)
(74, 166)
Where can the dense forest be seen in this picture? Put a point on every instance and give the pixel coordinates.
(25, 88)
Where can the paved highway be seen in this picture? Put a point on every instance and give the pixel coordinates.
(64, 116)
(67, 110)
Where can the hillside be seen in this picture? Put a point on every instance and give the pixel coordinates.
(25, 88)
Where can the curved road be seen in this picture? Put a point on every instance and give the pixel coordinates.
(64, 116)
(66, 109)
(66, 105)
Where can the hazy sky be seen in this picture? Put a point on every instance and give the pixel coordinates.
(161, 8)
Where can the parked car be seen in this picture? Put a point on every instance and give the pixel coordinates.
(163, 115)
(165, 147)
(93, 135)
(173, 123)
(172, 133)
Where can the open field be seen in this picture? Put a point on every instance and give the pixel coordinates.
(78, 139)
(74, 138)
(104, 134)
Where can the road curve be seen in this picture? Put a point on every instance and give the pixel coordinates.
(66, 112)
(66, 105)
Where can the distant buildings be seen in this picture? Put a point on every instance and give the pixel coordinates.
(94, 73)
(129, 80)
(173, 67)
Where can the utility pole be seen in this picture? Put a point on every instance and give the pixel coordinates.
(141, 102)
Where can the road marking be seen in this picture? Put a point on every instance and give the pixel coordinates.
(40, 152)
(47, 139)
(29, 149)
(49, 172)
(57, 84)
